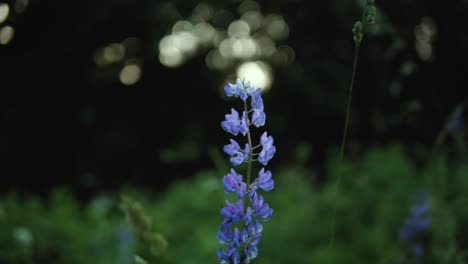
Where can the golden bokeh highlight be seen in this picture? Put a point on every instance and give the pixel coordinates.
(6, 34)
(4, 12)
(257, 72)
(130, 74)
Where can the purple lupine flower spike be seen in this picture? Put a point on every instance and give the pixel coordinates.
(241, 229)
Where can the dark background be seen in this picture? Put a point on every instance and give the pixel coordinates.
(66, 121)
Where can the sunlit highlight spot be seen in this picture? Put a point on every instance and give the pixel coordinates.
(218, 37)
(176, 48)
(226, 48)
(171, 56)
(186, 42)
(182, 26)
(244, 48)
(6, 34)
(239, 29)
(204, 32)
(276, 27)
(253, 18)
(114, 52)
(257, 72)
(130, 74)
(4, 11)
(226, 40)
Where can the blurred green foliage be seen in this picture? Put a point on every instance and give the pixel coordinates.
(376, 193)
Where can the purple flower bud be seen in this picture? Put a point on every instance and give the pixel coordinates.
(244, 235)
(232, 122)
(237, 155)
(226, 254)
(268, 150)
(258, 118)
(256, 99)
(235, 258)
(248, 216)
(236, 241)
(264, 180)
(231, 89)
(232, 148)
(226, 223)
(240, 193)
(237, 158)
(251, 252)
(266, 154)
(261, 208)
(229, 184)
(232, 181)
(255, 239)
(253, 189)
(254, 228)
(224, 235)
(265, 140)
(241, 91)
(249, 88)
(233, 212)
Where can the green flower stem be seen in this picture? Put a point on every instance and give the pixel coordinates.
(358, 31)
(343, 142)
(249, 139)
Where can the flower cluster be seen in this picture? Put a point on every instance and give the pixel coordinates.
(241, 229)
(415, 223)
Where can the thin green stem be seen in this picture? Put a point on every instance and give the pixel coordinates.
(249, 139)
(343, 143)
(368, 17)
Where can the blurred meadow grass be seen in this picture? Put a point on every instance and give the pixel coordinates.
(375, 197)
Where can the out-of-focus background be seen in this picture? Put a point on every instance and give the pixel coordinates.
(103, 98)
